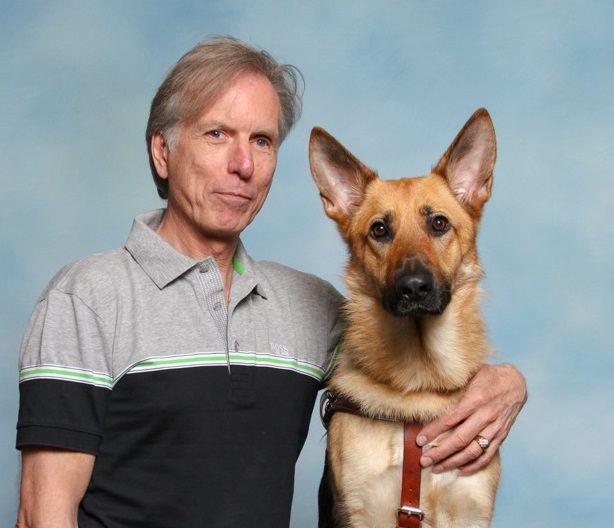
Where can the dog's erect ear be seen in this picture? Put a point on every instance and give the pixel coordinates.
(340, 176)
(468, 163)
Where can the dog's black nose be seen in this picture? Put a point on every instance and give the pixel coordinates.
(416, 284)
(415, 291)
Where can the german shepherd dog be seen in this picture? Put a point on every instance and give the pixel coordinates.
(414, 333)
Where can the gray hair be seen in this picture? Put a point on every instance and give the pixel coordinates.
(198, 79)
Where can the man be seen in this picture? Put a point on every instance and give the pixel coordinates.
(170, 382)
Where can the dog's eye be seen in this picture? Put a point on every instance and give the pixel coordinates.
(440, 225)
(379, 230)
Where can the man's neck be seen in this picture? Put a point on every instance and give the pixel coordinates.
(198, 247)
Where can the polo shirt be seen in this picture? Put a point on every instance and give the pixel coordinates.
(196, 411)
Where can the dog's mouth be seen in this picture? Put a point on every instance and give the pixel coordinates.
(415, 292)
(401, 306)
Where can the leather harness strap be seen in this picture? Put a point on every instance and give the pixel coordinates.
(331, 403)
(409, 514)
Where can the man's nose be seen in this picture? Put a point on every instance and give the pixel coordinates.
(241, 160)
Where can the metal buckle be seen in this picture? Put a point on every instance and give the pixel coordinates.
(410, 511)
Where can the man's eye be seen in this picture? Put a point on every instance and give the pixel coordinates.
(262, 142)
(216, 134)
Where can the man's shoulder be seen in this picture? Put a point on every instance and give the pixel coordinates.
(92, 271)
(280, 275)
(277, 270)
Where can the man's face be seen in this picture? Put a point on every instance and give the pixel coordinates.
(221, 165)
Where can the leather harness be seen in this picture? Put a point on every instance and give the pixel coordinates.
(409, 514)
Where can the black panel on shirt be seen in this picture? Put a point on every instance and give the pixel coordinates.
(198, 447)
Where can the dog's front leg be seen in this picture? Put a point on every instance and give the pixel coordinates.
(327, 516)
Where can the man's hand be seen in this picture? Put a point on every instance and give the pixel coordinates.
(493, 399)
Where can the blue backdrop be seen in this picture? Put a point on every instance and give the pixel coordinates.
(394, 81)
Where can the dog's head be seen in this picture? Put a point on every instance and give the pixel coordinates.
(410, 240)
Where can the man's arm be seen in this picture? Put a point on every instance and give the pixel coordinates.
(493, 399)
(53, 482)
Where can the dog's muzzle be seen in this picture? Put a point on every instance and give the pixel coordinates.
(416, 292)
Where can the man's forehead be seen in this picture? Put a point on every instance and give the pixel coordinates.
(249, 97)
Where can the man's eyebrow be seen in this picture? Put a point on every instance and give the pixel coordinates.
(214, 124)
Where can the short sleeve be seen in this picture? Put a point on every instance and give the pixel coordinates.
(65, 376)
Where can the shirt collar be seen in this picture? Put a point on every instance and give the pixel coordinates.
(163, 263)
(159, 260)
(248, 277)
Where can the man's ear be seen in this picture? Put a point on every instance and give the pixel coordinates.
(159, 154)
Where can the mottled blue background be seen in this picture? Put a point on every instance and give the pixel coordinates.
(394, 81)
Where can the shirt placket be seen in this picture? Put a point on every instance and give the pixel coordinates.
(213, 290)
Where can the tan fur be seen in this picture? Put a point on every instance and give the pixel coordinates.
(406, 366)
